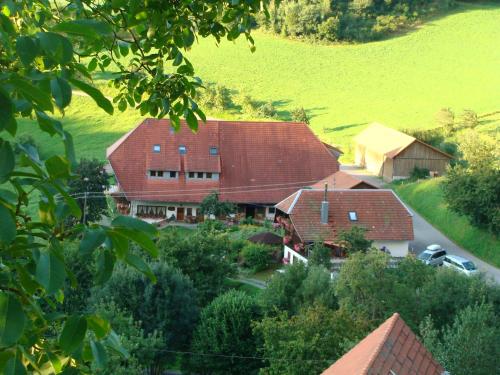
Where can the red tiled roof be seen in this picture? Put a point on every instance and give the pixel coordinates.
(259, 162)
(391, 347)
(342, 180)
(379, 211)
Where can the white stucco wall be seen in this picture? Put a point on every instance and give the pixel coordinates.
(293, 256)
(396, 248)
(134, 204)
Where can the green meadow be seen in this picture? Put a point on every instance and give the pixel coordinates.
(450, 61)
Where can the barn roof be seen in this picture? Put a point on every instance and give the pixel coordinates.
(390, 349)
(379, 211)
(387, 141)
(341, 180)
(259, 162)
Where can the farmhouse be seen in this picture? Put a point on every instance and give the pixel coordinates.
(343, 180)
(165, 174)
(392, 348)
(393, 155)
(312, 215)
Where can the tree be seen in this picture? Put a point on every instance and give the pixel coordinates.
(211, 205)
(300, 115)
(469, 345)
(298, 286)
(203, 257)
(49, 48)
(320, 255)
(469, 119)
(306, 343)
(446, 119)
(480, 152)
(354, 240)
(225, 328)
(168, 306)
(258, 257)
(89, 189)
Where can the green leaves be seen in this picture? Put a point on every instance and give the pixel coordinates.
(56, 47)
(92, 238)
(95, 94)
(7, 161)
(92, 29)
(27, 49)
(50, 272)
(99, 326)
(61, 91)
(12, 320)
(58, 167)
(133, 223)
(73, 333)
(8, 225)
(99, 354)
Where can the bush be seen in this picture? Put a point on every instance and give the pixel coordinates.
(469, 119)
(216, 97)
(267, 110)
(390, 23)
(446, 119)
(300, 115)
(225, 328)
(320, 255)
(257, 257)
(248, 105)
(235, 248)
(418, 173)
(329, 29)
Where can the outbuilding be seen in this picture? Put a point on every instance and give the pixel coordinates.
(393, 155)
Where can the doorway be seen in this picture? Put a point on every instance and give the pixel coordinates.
(180, 213)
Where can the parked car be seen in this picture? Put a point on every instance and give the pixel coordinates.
(460, 264)
(433, 255)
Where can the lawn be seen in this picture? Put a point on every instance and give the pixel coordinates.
(427, 199)
(450, 61)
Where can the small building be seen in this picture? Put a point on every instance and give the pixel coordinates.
(393, 155)
(165, 174)
(343, 180)
(391, 349)
(312, 215)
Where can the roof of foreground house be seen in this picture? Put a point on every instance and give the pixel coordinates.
(258, 162)
(391, 349)
(342, 180)
(388, 141)
(379, 211)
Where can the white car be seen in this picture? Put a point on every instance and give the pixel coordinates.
(460, 264)
(433, 255)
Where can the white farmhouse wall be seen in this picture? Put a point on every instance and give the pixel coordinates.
(134, 204)
(396, 248)
(293, 256)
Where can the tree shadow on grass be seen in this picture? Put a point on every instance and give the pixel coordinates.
(342, 127)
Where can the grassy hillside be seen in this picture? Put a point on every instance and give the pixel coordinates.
(427, 199)
(451, 61)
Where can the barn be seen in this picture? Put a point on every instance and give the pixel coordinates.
(393, 155)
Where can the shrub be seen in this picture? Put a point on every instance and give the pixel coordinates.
(300, 115)
(469, 119)
(389, 23)
(354, 240)
(225, 328)
(320, 255)
(267, 110)
(418, 173)
(248, 105)
(257, 257)
(216, 97)
(329, 29)
(446, 119)
(235, 248)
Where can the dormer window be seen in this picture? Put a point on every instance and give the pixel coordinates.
(213, 151)
(182, 150)
(353, 216)
(156, 148)
(199, 175)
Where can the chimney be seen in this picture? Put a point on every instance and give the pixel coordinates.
(324, 207)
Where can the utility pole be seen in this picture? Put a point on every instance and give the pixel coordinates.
(85, 179)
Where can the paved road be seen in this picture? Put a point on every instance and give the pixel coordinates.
(426, 234)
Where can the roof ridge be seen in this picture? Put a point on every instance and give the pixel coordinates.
(391, 322)
(290, 209)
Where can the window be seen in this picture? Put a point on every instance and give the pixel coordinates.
(152, 173)
(213, 150)
(182, 150)
(159, 173)
(191, 174)
(272, 210)
(156, 148)
(353, 216)
(189, 211)
(200, 175)
(171, 208)
(209, 175)
(173, 174)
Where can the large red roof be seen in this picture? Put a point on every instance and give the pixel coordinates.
(390, 349)
(259, 162)
(379, 211)
(343, 180)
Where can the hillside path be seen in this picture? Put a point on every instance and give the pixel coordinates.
(426, 234)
